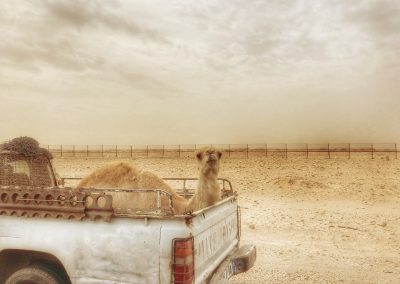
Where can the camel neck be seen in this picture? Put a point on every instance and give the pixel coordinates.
(209, 181)
(208, 191)
(209, 175)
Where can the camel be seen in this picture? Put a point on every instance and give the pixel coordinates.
(208, 190)
(123, 175)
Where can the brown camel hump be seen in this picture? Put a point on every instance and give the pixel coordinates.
(114, 174)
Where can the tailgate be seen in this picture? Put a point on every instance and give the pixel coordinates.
(216, 234)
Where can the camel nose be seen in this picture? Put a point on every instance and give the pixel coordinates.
(212, 157)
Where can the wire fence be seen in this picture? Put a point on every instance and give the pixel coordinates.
(282, 150)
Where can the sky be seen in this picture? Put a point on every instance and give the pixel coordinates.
(175, 72)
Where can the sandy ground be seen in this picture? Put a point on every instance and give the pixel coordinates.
(313, 220)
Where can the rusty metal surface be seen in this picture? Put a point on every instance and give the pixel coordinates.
(183, 186)
(17, 170)
(157, 210)
(66, 203)
(79, 204)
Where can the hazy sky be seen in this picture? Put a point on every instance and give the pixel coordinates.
(236, 71)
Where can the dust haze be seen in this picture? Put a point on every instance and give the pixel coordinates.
(117, 72)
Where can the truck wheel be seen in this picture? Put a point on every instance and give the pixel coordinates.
(35, 274)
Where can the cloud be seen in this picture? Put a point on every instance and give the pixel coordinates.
(378, 26)
(256, 63)
(151, 84)
(57, 53)
(267, 35)
(91, 14)
(379, 18)
(32, 43)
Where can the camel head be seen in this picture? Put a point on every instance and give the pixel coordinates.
(208, 158)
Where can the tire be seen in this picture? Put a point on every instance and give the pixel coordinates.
(35, 274)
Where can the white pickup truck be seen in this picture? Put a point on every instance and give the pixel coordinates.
(55, 234)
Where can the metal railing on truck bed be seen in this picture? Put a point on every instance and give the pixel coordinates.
(183, 186)
(92, 204)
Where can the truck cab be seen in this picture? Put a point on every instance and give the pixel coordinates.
(19, 170)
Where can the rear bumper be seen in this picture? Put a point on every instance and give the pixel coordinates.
(240, 261)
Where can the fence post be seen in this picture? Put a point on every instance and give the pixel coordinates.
(61, 150)
(131, 152)
(349, 150)
(329, 151)
(73, 150)
(116, 151)
(307, 150)
(229, 150)
(147, 151)
(372, 151)
(286, 151)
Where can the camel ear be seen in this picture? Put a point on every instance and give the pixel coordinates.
(219, 154)
(199, 156)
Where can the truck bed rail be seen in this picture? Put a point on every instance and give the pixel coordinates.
(184, 186)
(69, 203)
(92, 204)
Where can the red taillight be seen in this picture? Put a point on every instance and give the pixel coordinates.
(183, 261)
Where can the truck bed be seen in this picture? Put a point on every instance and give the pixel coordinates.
(114, 251)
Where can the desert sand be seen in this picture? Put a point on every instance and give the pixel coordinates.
(313, 220)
